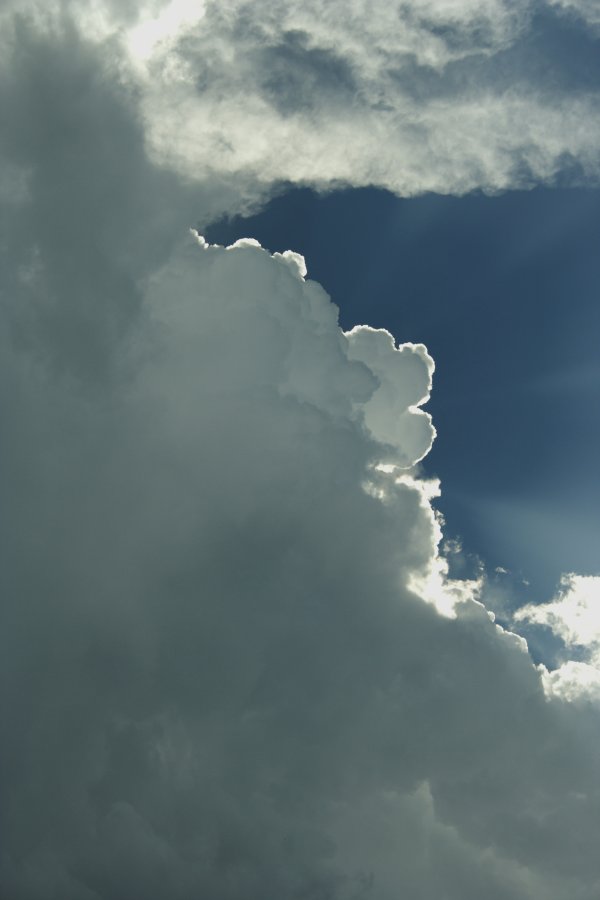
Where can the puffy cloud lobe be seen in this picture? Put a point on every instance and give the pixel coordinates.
(221, 681)
(359, 373)
(574, 617)
(572, 681)
(404, 376)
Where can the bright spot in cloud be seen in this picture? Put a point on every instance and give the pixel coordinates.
(574, 616)
(154, 32)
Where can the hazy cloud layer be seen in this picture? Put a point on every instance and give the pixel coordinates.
(411, 96)
(225, 667)
(586, 9)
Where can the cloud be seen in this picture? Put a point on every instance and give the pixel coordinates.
(409, 96)
(222, 681)
(574, 617)
(404, 375)
(233, 663)
(584, 9)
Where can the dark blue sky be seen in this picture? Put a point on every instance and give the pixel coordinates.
(504, 292)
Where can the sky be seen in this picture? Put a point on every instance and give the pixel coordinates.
(299, 383)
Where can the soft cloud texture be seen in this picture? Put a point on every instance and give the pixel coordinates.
(411, 96)
(220, 680)
(574, 617)
(586, 9)
(232, 663)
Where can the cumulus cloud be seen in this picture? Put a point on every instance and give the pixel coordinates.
(574, 617)
(222, 677)
(233, 664)
(404, 381)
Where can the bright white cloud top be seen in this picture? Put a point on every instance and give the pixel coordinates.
(574, 617)
(233, 663)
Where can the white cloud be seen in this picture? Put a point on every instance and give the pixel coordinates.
(412, 96)
(573, 616)
(409, 96)
(404, 375)
(156, 29)
(572, 681)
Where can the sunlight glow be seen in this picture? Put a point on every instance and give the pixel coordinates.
(144, 38)
(574, 615)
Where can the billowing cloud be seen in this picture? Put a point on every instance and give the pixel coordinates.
(223, 680)
(233, 665)
(574, 617)
(411, 96)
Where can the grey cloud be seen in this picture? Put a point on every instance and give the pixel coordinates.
(297, 76)
(86, 215)
(580, 10)
(219, 675)
(219, 681)
(556, 57)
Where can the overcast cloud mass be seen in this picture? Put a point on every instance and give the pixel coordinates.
(233, 664)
